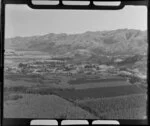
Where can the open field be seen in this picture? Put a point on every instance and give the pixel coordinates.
(13, 83)
(100, 92)
(58, 81)
(133, 113)
(26, 86)
(11, 96)
(86, 83)
(101, 84)
(72, 97)
(47, 106)
(121, 107)
(22, 77)
(99, 80)
(72, 94)
(102, 100)
(35, 90)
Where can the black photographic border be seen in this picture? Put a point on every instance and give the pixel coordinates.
(26, 122)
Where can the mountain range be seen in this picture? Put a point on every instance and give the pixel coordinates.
(98, 43)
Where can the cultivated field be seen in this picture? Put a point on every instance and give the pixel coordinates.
(120, 107)
(45, 106)
(79, 96)
(28, 97)
(101, 92)
(95, 80)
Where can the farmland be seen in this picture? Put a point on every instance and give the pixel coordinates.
(111, 102)
(101, 92)
(72, 91)
(124, 107)
(37, 106)
(101, 99)
(85, 81)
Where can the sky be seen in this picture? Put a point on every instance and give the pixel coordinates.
(21, 20)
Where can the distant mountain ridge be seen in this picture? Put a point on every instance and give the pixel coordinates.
(113, 42)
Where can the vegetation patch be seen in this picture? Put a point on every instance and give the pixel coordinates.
(84, 81)
(12, 97)
(34, 90)
(101, 92)
(124, 107)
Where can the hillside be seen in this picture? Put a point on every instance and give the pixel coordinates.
(115, 42)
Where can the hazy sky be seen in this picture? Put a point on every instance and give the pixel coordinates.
(24, 21)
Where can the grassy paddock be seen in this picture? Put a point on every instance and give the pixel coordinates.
(34, 90)
(44, 106)
(12, 97)
(100, 92)
(122, 107)
(99, 80)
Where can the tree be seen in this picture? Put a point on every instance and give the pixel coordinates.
(134, 79)
(21, 65)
